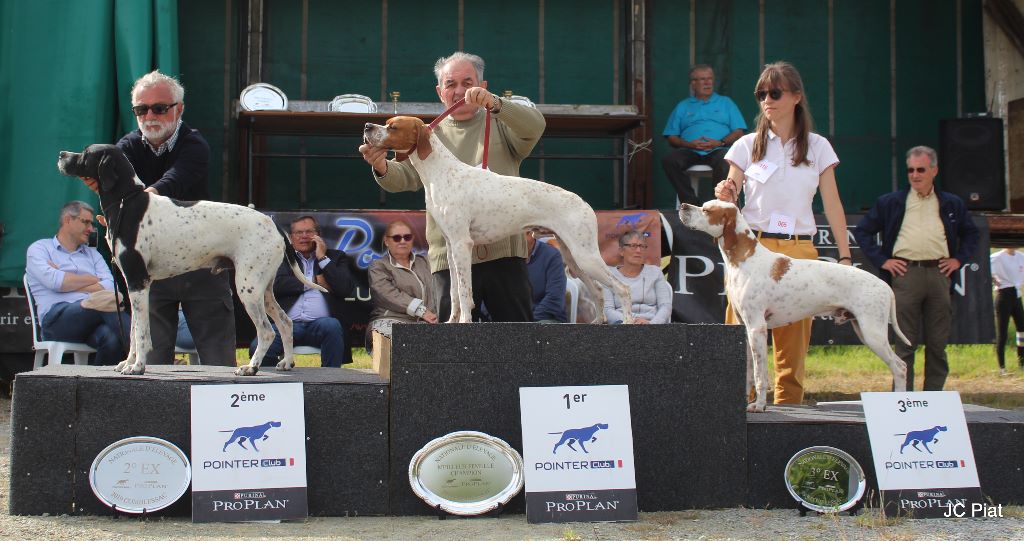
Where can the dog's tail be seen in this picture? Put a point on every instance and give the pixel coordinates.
(289, 255)
(892, 319)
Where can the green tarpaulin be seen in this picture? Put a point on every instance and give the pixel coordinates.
(66, 70)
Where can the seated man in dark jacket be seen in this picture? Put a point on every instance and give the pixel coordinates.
(316, 316)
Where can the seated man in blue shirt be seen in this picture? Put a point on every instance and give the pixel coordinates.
(547, 278)
(62, 272)
(316, 316)
(700, 129)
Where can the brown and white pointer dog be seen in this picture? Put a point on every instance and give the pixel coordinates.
(153, 237)
(476, 206)
(768, 290)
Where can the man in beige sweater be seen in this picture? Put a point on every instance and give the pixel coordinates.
(500, 279)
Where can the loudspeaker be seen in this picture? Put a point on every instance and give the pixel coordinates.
(971, 161)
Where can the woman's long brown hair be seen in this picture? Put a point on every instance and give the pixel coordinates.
(784, 76)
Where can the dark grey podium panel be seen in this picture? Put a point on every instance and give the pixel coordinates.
(685, 386)
(64, 415)
(997, 437)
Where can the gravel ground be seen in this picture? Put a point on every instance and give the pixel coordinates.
(704, 525)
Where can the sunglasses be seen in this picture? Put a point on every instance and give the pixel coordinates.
(157, 108)
(399, 238)
(775, 93)
(635, 246)
(918, 170)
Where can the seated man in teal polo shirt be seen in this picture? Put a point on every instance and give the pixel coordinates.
(700, 130)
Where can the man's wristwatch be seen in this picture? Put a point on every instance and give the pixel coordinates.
(496, 108)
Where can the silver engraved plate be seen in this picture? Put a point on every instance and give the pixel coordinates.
(352, 103)
(140, 474)
(466, 473)
(263, 97)
(825, 479)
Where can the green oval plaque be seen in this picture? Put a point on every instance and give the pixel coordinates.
(466, 473)
(825, 479)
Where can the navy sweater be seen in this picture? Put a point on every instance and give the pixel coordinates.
(179, 174)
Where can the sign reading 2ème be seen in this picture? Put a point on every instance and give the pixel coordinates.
(578, 454)
(248, 452)
(922, 452)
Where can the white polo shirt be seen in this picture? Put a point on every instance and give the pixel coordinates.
(789, 191)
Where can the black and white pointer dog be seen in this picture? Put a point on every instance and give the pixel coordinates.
(154, 237)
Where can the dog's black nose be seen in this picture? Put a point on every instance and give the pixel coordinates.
(62, 154)
(368, 127)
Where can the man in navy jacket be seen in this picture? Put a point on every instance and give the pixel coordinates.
(926, 236)
(316, 316)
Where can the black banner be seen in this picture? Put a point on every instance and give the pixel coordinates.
(697, 272)
(965, 502)
(581, 506)
(250, 504)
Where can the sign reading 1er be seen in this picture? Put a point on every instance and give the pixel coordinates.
(578, 454)
(248, 452)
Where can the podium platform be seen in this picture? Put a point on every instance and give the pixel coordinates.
(694, 444)
(64, 415)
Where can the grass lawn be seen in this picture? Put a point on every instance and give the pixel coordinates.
(842, 372)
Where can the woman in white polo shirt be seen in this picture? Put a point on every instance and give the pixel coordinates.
(780, 167)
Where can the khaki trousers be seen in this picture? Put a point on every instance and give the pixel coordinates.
(924, 311)
(790, 341)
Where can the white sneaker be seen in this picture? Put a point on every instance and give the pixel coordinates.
(1003, 372)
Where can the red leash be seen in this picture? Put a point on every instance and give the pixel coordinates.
(487, 126)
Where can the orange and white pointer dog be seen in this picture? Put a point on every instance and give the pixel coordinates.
(768, 290)
(477, 206)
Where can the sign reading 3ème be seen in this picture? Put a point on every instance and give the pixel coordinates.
(578, 454)
(248, 452)
(922, 452)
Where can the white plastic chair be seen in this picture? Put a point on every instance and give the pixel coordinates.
(696, 172)
(572, 290)
(52, 348)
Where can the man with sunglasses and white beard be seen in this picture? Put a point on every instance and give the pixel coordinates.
(172, 159)
(316, 316)
(926, 235)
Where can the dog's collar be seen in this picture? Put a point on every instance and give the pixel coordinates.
(120, 203)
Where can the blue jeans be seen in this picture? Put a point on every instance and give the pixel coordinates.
(324, 333)
(184, 340)
(69, 322)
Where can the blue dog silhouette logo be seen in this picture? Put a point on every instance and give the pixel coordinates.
(251, 433)
(579, 435)
(924, 437)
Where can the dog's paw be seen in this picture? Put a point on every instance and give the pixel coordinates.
(246, 370)
(756, 407)
(285, 365)
(131, 369)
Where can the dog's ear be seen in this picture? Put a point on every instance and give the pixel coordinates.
(106, 172)
(113, 167)
(737, 247)
(423, 148)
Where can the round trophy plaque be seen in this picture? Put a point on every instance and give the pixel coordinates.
(263, 97)
(825, 479)
(466, 473)
(140, 474)
(352, 103)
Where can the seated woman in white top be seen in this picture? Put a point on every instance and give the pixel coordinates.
(651, 294)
